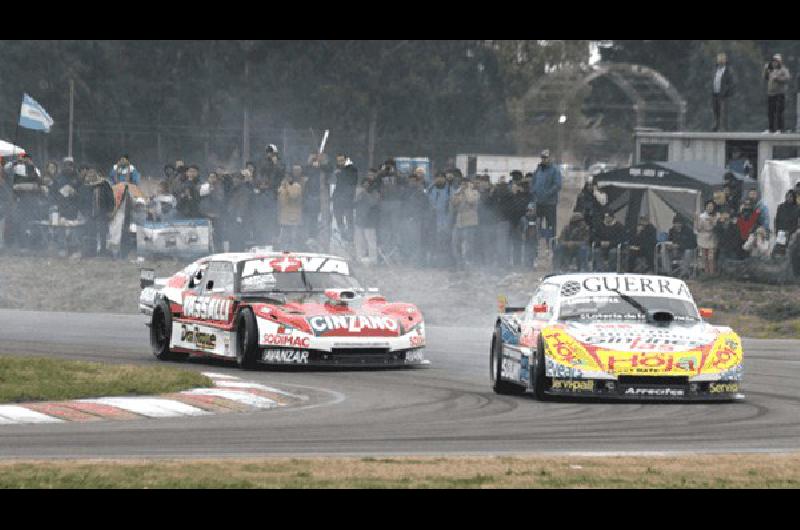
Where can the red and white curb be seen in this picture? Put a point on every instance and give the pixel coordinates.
(229, 394)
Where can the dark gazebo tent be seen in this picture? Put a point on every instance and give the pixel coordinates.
(659, 190)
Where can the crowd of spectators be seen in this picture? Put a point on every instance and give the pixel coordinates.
(383, 216)
(731, 229)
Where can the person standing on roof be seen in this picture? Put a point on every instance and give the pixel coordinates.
(546, 186)
(721, 90)
(777, 77)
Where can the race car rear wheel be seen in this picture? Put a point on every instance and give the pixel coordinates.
(538, 376)
(496, 366)
(161, 333)
(246, 339)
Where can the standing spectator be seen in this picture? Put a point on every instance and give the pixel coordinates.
(367, 207)
(28, 193)
(642, 246)
(236, 223)
(683, 242)
(464, 205)
(573, 244)
(747, 221)
(188, 195)
(733, 191)
(439, 197)
(530, 237)
(170, 175)
(124, 171)
(609, 235)
(390, 223)
(343, 195)
(589, 204)
(786, 222)
(722, 87)
(417, 209)
(757, 244)
(290, 212)
(212, 206)
(164, 204)
(777, 77)
(515, 209)
(546, 186)
(264, 212)
(97, 206)
(729, 242)
(311, 197)
(487, 221)
(706, 238)
(50, 174)
(273, 169)
(759, 208)
(499, 199)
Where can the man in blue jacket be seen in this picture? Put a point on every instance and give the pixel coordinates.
(546, 185)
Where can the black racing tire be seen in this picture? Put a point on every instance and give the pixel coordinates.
(499, 386)
(161, 333)
(246, 339)
(538, 372)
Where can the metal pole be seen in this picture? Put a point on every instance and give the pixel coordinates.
(246, 125)
(71, 111)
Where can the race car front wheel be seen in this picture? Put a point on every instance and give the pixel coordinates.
(496, 368)
(246, 339)
(161, 333)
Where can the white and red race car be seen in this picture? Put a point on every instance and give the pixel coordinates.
(278, 308)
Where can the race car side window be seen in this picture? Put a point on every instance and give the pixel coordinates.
(218, 278)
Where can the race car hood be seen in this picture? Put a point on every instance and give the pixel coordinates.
(643, 349)
(370, 318)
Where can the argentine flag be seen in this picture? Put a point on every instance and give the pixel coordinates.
(33, 116)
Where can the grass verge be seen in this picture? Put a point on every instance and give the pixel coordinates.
(684, 471)
(40, 379)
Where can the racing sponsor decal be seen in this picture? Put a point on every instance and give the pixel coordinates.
(554, 369)
(277, 339)
(723, 388)
(570, 288)
(193, 335)
(417, 340)
(341, 325)
(723, 355)
(637, 284)
(655, 391)
(285, 356)
(206, 307)
(290, 263)
(586, 385)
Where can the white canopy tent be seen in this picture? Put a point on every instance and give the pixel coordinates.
(9, 149)
(777, 177)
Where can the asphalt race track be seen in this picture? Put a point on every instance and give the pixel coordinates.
(447, 408)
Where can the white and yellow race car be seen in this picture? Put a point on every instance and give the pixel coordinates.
(615, 336)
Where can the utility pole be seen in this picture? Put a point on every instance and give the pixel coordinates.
(246, 132)
(71, 113)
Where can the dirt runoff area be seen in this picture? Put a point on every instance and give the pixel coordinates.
(684, 471)
(446, 297)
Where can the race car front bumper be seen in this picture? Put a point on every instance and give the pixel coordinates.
(645, 389)
(344, 358)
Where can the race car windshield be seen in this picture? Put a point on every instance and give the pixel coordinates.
(300, 281)
(614, 307)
